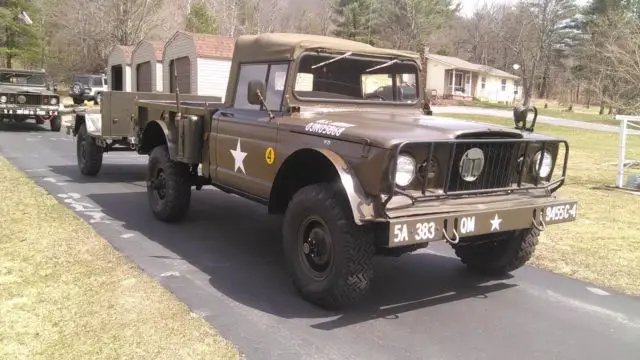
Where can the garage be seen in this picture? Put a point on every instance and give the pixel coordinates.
(119, 68)
(202, 63)
(146, 66)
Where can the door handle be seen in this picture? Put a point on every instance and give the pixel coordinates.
(115, 120)
(226, 114)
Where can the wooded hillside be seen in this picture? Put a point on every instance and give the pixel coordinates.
(588, 55)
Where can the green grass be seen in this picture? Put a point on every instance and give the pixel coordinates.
(603, 245)
(579, 112)
(65, 293)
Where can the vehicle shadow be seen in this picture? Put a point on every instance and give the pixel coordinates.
(238, 246)
(109, 173)
(24, 127)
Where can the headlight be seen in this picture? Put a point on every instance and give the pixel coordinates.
(547, 163)
(22, 99)
(405, 170)
(53, 101)
(3, 99)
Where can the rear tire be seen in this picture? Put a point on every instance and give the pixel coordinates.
(328, 255)
(502, 256)
(168, 186)
(88, 153)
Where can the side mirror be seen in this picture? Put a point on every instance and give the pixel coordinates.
(256, 92)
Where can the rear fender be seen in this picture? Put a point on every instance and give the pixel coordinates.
(156, 133)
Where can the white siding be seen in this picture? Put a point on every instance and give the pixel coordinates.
(213, 75)
(493, 89)
(127, 78)
(143, 53)
(116, 57)
(156, 67)
(178, 46)
(435, 77)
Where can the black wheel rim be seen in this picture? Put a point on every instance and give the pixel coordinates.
(159, 185)
(315, 247)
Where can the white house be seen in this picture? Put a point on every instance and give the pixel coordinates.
(455, 78)
(119, 68)
(201, 63)
(146, 66)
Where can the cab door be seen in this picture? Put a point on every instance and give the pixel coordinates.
(246, 138)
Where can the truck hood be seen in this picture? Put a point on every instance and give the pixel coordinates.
(13, 89)
(384, 127)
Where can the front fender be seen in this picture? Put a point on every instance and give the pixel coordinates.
(362, 205)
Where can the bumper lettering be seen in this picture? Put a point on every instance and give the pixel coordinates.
(419, 229)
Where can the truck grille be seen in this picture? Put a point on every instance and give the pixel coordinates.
(32, 99)
(498, 172)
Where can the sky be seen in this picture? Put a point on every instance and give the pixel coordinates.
(468, 6)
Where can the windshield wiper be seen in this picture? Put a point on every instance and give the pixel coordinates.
(332, 60)
(383, 65)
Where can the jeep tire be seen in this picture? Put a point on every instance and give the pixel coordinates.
(88, 153)
(168, 186)
(328, 255)
(55, 123)
(501, 256)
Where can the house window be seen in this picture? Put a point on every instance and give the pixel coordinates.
(273, 75)
(483, 84)
(504, 85)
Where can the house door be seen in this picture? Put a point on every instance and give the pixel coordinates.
(143, 77)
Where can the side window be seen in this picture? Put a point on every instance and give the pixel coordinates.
(247, 73)
(275, 86)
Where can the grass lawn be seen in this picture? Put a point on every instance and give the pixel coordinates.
(580, 112)
(603, 245)
(65, 293)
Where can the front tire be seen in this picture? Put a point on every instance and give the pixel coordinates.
(500, 256)
(328, 255)
(168, 186)
(88, 153)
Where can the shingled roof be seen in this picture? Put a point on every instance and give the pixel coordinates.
(458, 63)
(158, 48)
(211, 46)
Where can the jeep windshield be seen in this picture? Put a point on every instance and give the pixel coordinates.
(356, 78)
(23, 78)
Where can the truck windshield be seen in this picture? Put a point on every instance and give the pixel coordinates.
(352, 77)
(25, 79)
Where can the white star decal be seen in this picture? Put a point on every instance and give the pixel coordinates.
(495, 223)
(238, 158)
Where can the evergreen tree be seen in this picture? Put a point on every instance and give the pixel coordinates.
(356, 20)
(200, 20)
(19, 40)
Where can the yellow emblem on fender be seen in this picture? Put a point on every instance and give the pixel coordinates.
(270, 155)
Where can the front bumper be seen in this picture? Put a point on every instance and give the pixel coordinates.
(457, 225)
(30, 110)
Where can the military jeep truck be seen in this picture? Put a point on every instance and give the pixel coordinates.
(25, 94)
(305, 130)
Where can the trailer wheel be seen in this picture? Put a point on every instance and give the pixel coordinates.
(56, 123)
(168, 186)
(89, 154)
(328, 255)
